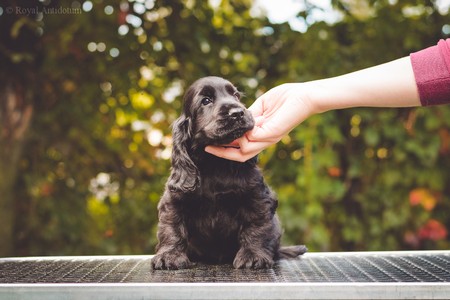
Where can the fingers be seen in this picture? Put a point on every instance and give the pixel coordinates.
(259, 121)
(246, 150)
(227, 153)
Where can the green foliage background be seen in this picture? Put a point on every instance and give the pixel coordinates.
(101, 88)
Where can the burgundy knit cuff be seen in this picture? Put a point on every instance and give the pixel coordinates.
(431, 68)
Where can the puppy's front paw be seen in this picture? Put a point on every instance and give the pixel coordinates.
(170, 261)
(252, 260)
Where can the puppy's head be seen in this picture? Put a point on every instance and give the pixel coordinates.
(212, 115)
(218, 117)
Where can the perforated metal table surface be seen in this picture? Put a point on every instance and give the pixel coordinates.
(340, 275)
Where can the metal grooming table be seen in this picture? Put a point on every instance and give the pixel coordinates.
(340, 275)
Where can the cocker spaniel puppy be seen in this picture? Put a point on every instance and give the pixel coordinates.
(215, 210)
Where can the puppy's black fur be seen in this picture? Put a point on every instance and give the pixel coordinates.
(215, 210)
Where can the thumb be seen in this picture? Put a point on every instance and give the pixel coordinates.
(253, 134)
(265, 133)
(257, 134)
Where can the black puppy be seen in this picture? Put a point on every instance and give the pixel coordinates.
(215, 210)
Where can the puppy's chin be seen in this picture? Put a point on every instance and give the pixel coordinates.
(232, 136)
(221, 137)
(226, 137)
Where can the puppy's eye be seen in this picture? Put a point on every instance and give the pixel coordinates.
(206, 101)
(237, 95)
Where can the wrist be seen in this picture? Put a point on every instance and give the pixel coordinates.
(303, 101)
(335, 93)
(316, 95)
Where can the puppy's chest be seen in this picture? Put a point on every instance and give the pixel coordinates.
(209, 203)
(221, 203)
(215, 213)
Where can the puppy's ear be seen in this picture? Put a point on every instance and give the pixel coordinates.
(184, 176)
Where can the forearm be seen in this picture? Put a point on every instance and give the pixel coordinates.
(388, 85)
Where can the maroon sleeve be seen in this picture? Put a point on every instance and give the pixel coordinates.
(431, 68)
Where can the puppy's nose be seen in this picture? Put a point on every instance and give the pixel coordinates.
(236, 113)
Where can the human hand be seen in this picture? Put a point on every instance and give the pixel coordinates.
(276, 113)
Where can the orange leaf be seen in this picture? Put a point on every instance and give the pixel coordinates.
(424, 197)
(415, 196)
(411, 238)
(334, 171)
(109, 233)
(433, 230)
